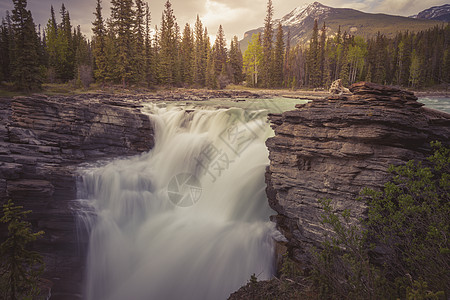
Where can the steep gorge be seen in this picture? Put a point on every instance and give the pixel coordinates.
(332, 148)
(42, 141)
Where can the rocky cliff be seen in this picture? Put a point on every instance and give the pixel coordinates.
(42, 140)
(332, 148)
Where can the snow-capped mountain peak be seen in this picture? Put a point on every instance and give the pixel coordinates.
(435, 13)
(299, 14)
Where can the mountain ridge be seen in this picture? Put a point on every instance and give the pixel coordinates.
(440, 13)
(300, 21)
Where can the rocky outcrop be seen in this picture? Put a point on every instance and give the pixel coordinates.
(42, 140)
(332, 148)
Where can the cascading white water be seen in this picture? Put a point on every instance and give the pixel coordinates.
(155, 238)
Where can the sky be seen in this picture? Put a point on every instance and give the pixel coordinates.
(236, 16)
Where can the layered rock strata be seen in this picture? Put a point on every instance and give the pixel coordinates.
(334, 147)
(42, 140)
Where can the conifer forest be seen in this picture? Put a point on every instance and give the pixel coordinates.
(127, 49)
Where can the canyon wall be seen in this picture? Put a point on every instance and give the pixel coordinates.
(332, 148)
(42, 141)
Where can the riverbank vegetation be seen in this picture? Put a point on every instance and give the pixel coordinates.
(400, 251)
(20, 267)
(125, 50)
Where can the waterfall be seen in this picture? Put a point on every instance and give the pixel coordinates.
(187, 220)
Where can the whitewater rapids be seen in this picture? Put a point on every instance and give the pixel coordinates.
(187, 220)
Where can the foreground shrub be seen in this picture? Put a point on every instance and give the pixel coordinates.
(20, 268)
(402, 248)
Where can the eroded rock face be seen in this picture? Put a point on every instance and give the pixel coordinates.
(42, 140)
(334, 147)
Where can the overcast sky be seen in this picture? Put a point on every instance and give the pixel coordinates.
(236, 16)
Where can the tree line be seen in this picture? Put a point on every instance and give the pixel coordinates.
(408, 59)
(125, 50)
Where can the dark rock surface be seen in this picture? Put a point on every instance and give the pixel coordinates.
(42, 140)
(332, 148)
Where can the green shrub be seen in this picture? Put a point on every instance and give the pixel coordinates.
(408, 221)
(20, 268)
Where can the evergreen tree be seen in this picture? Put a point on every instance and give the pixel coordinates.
(446, 66)
(122, 25)
(113, 73)
(278, 59)
(52, 47)
(83, 59)
(266, 63)
(313, 62)
(403, 60)
(344, 60)
(287, 64)
(20, 268)
(200, 57)
(99, 44)
(211, 77)
(178, 74)
(414, 70)
(187, 55)
(6, 40)
(24, 59)
(220, 52)
(149, 57)
(168, 46)
(379, 73)
(236, 61)
(138, 53)
(321, 55)
(66, 65)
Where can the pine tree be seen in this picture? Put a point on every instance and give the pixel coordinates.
(200, 57)
(313, 63)
(287, 61)
(138, 53)
(220, 51)
(25, 59)
(414, 70)
(65, 65)
(6, 40)
(236, 61)
(278, 59)
(122, 25)
(111, 54)
(266, 63)
(168, 46)
(187, 55)
(345, 67)
(51, 46)
(83, 59)
(20, 268)
(211, 77)
(177, 73)
(321, 55)
(155, 56)
(99, 44)
(149, 57)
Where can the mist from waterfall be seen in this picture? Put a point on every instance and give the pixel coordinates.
(187, 220)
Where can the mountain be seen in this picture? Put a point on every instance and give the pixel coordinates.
(440, 13)
(300, 22)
